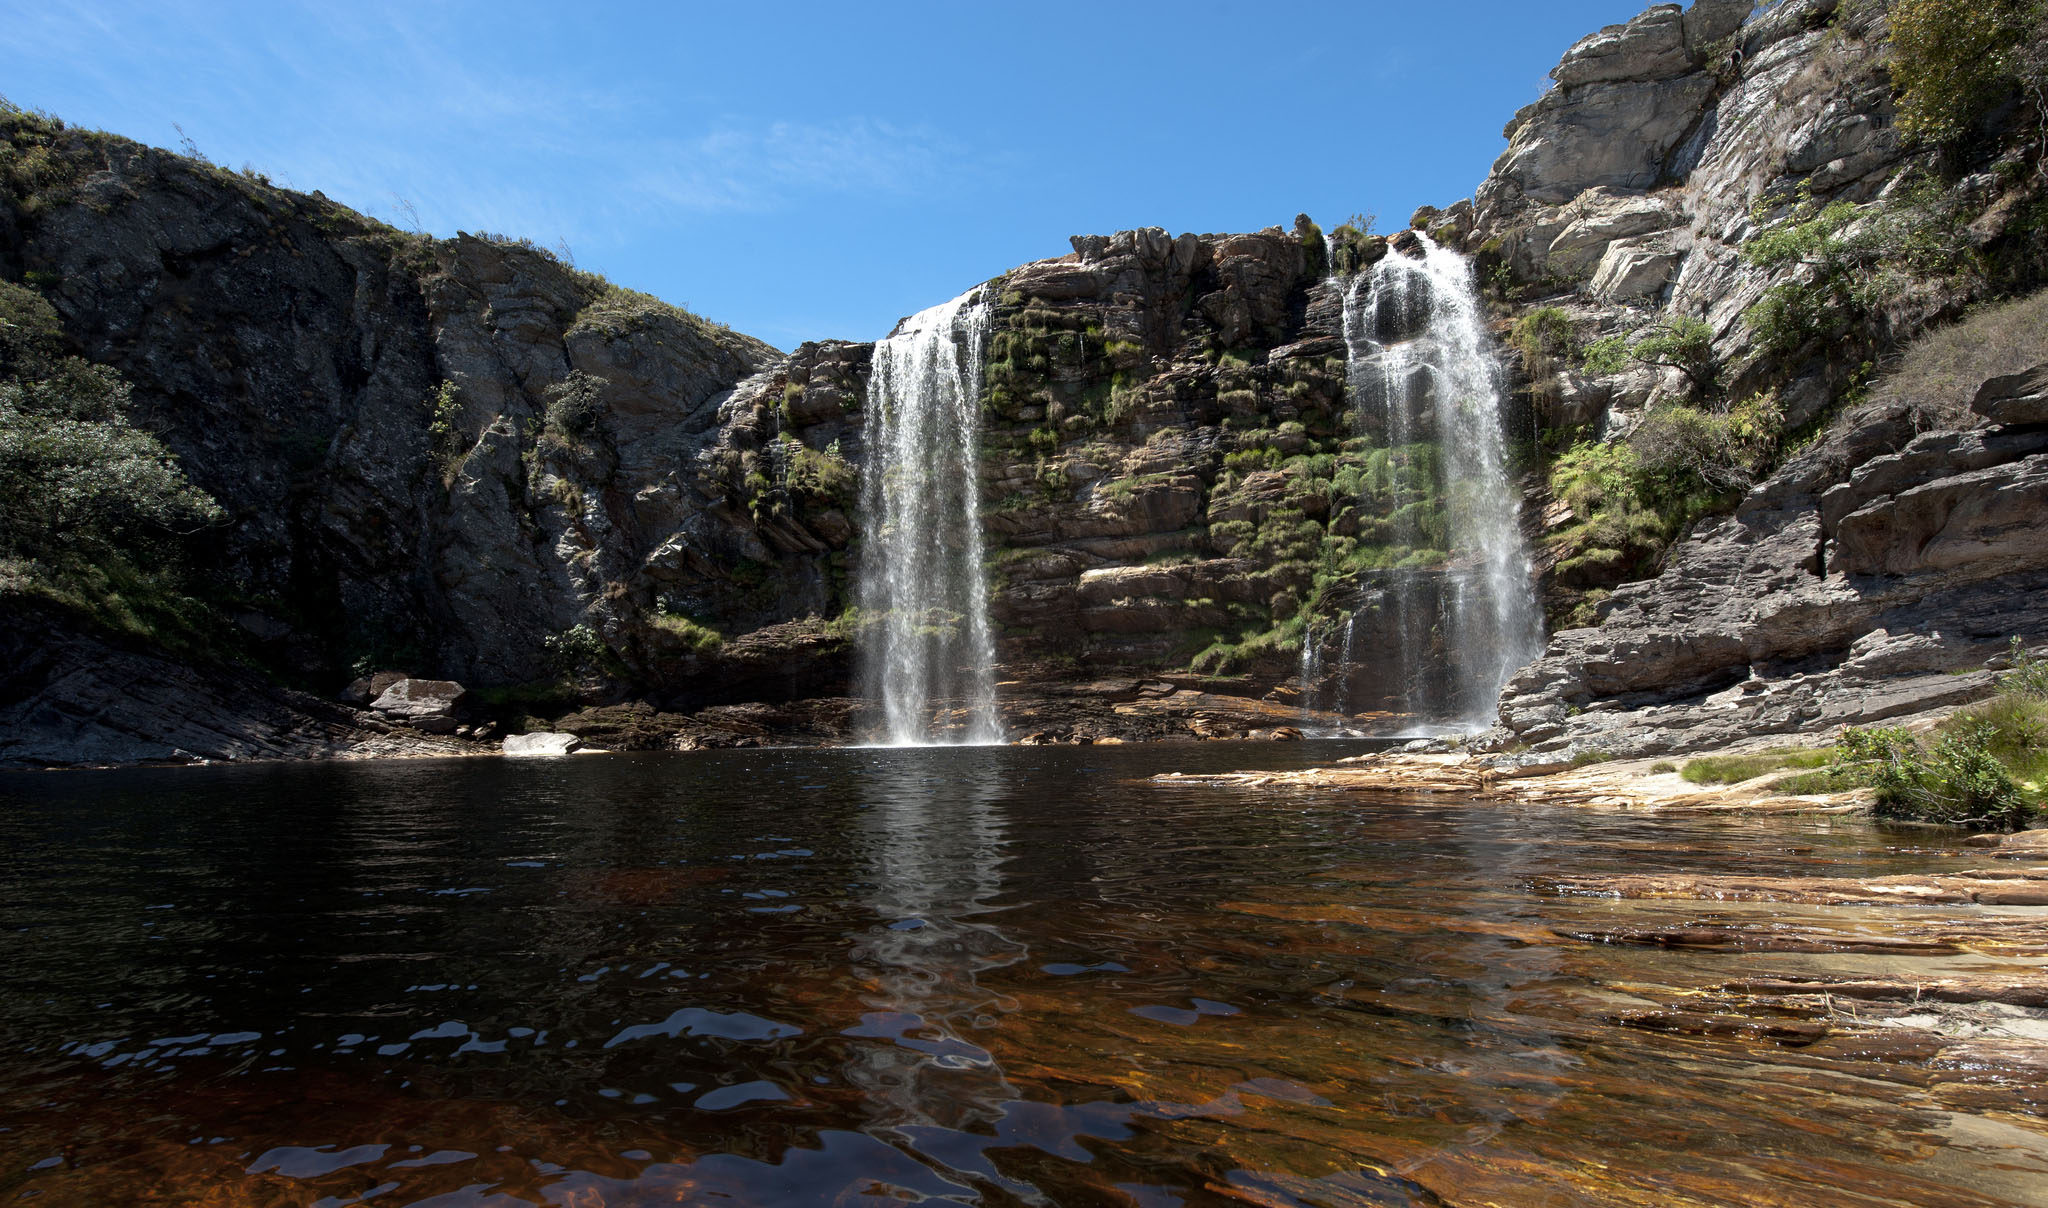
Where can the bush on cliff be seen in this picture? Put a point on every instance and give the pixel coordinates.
(1629, 499)
(92, 508)
(1956, 61)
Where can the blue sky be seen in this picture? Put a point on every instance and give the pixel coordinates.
(812, 171)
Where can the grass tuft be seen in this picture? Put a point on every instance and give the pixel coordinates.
(1734, 769)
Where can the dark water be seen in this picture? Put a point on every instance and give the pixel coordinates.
(1004, 976)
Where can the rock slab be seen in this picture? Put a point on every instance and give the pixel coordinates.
(542, 744)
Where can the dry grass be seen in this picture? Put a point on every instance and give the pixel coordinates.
(1940, 372)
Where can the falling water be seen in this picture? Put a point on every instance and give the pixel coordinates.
(1420, 367)
(923, 589)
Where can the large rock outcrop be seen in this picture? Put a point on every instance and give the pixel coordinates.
(466, 460)
(1874, 576)
(70, 698)
(1628, 191)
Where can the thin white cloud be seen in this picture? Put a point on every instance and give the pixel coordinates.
(376, 101)
(741, 166)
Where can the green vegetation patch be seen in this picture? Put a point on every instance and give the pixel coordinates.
(695, 635)
(1853, 262)
(1734, 769)
(1985, 767)
(1953, 61)
(94, 511)
(1630, 499)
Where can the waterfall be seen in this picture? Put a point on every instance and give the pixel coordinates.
(923, 593)
(1422, 376)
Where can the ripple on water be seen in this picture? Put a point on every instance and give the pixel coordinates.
(997, 975)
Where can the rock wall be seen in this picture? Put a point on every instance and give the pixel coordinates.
(443, 453)
(1874, 574)
(1668, 143)
(1878, 574)
(465, 459)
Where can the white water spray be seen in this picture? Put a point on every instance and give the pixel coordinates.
(926, 642)
(1419, 360)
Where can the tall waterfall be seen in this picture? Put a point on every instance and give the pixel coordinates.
(1421, 376)
(923, 594)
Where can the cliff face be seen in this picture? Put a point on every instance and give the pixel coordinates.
(464, 458)
(372, 408)
(1873, 573)
(1121, 378)
(1668, 144)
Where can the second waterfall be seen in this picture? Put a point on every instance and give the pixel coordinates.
(927, 654)
(1435, 633)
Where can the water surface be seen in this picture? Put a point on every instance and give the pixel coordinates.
(975, 975)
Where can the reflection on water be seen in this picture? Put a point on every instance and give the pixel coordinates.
(935, 846)
(972, 975)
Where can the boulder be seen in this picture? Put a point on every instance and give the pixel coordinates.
(541, 744)
(1634, 268)
(1597, 219)
(2016, 398)
(362, 691)
(1709, 21)
(1652, 46)
(1983, 524)
(427, 705)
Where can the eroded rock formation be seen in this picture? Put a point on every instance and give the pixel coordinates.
(464, 459)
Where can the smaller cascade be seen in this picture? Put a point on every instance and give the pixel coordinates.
(926, 641)
(1450, 620)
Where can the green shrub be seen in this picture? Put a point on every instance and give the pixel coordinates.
(75, 475)
(1854, 261)
(1955, 60)
(825, 477)
(2028, 676)
(1623, 513)
(1312, 245)
(1960, 781)
(1353, 246)
(1606, 355)
(1681, 342)
(1543, 335)
(576, 650)
(574, 404)
(1223, 656)
(1685, 449)
(95, 512)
